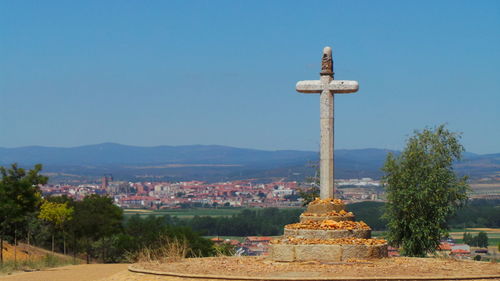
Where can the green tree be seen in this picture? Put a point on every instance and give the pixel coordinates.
(482, 239)
(57, 214)
(467, 238)
(95, 218)
(150, 232)
(19, 198)
(423, 190)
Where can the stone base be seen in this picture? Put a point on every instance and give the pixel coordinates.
(323, 208)
(325, 253)
(322, 218)
(327, 234)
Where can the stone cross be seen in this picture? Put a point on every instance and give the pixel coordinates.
(327, 87)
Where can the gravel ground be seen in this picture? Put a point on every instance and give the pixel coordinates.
(83, 272)
(255, 266)
(260, 267)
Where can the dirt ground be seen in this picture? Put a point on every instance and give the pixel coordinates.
(255, 266)
(260, 267)
(83, 272)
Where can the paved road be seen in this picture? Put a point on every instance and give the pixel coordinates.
(83, 272)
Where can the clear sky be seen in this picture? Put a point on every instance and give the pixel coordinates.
(224, 72)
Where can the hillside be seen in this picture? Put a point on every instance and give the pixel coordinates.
(26, 252)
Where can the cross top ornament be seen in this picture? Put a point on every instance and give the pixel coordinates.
(327, 87)
(327, 62)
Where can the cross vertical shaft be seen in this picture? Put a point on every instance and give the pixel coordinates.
(327, 177)
(327, 87)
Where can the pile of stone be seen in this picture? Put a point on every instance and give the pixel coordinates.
(327, 233)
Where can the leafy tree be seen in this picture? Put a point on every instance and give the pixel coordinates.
(369, 212)
(423, 190)
(95, 218)
(268, 221)
(19, 199)
(482, 239)
(467, 238)
(152, 232)
(57, 214)
(476, 214)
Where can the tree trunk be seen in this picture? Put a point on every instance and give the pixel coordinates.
(1, 250)
(15, 247)
(89, 252)
(29, 233)
(103, 254)
(52, 243)
(64, 242)
(74, 248)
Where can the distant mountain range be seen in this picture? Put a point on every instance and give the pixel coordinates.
(118, 154)
(208, 162)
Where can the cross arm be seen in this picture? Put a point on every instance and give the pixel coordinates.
(337, 86)
(309, 86)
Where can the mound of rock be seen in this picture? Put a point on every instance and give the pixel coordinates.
(327, 233)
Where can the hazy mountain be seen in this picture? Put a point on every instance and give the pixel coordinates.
(477, 166)
(211, 162)
(118, 154)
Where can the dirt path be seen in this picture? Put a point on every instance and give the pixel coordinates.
(83, 272)
(130, 276)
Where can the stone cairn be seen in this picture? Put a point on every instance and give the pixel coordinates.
(326, 231)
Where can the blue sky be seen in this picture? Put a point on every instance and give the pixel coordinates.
(223, 72)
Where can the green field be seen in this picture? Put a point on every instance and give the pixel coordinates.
(184, 213)
(458, 233)
(493, 234)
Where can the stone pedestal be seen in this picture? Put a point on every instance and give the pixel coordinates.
(327, 233)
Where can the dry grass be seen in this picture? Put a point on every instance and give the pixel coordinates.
(29, 258)
(35, 263)
(169, 250)
(25, 252)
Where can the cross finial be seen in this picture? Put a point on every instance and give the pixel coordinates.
(327, 62)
